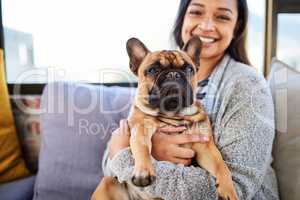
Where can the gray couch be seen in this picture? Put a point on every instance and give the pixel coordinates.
(78, 120)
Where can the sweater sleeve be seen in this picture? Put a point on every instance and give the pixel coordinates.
(244, 140)
(246, 134)
(172, 181)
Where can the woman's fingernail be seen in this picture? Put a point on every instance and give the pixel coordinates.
(205, 138)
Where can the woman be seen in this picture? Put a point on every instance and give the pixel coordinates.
(237, 101)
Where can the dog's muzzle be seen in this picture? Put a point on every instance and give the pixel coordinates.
(172, 93)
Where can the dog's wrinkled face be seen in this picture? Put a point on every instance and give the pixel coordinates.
(166, 79)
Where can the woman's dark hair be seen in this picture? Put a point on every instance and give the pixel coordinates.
(237, 47)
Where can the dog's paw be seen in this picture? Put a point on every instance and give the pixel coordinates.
(226, 191)
(143, 176)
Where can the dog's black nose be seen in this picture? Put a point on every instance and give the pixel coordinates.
(173, 75)
(172, 104)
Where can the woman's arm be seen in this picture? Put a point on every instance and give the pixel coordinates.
(120, 139)
(246, 134)
(173, 182)
(166, 145)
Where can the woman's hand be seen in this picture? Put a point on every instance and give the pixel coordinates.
(166, 145)
(120, 139)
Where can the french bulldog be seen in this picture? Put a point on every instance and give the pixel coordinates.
(166, 95)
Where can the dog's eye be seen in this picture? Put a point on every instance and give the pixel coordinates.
(189, 69)
(153, 70)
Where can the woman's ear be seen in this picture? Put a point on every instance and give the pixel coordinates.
(193, 49)
(136, 51)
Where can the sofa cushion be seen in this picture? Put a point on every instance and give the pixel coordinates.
(18, 190)
(285, 86)
(12, 165)
(76, 123)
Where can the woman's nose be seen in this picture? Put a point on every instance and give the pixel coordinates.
(207, 24)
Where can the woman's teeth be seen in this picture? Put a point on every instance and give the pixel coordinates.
(207, 40)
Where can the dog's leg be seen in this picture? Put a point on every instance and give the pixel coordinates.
(210, 158)
(140, 144)
(110, 189)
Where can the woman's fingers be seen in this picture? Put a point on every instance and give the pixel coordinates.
(182, 138)
(188, 138)
(166, 147)
(124, 128)
(120, 139)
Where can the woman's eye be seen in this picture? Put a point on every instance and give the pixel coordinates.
(195, 12)
(223, 17)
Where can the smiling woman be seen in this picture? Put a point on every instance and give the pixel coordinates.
(41, 51)
(232, 88)
(216, 32)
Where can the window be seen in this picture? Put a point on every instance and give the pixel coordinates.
(288, 40)
(79, 40)
(53, 40)
(256, 33)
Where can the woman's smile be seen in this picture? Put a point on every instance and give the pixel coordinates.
(208, 41)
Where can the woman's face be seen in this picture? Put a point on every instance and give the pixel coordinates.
(213, 22)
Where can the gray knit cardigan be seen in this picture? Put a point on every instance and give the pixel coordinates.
(240, 106)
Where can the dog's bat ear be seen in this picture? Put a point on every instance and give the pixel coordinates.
(193, 49)
(136, 51)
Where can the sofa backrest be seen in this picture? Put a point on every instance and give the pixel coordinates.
(76, 122)
(285, 87)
